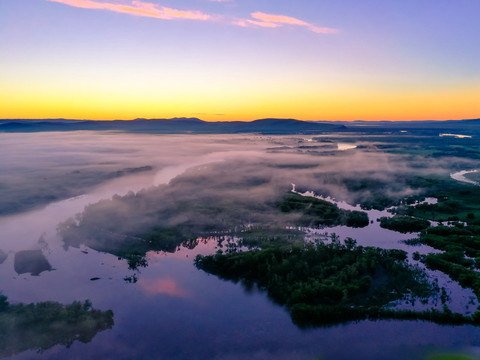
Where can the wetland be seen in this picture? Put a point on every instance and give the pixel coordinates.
(118, 245)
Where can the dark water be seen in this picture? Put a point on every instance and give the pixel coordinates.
(175, 311)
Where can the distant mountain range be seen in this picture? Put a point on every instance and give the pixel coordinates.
(172, 126)
(408, 124)
(263, 126)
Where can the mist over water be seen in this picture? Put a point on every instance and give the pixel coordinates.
(127, 183)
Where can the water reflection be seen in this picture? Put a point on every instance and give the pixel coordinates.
(31, 261)
(460, 176)
(458, 136)
(3, 257)
(346, 146)
(164, 286)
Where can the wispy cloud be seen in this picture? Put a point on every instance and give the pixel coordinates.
(250, 22)
(273, 21)
(138, 8)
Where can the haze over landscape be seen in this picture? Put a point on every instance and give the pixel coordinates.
(239, 179)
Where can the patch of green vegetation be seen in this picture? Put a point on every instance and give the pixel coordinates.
(457, 267)
(404, 224)
(456, 201)
(326, 284)
(316, 212)
(461, 256)
(460, 242)
(43, 325)
(454, 239)
(267, 237)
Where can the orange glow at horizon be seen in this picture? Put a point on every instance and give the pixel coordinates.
(334, 106)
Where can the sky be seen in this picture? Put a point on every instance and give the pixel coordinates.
(223, 60)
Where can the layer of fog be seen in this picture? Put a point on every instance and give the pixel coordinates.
(40, 168)
(236, 173)
(225, 190)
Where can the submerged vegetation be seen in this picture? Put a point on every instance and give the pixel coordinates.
(458, 206)
(461, 253)
(458, 232)
(325, 284)
(43, 325)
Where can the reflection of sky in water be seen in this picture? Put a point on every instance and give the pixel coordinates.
(372, 234)
(458, 136)
(346, 146)
(175, 311)
(461, 176)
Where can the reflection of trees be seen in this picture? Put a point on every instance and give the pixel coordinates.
(3, 256)
(190, 243)
(31, 261)
(43, 325)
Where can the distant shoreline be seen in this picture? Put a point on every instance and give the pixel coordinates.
(264, 126)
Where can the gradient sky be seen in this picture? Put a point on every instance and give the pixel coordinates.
(240, 59)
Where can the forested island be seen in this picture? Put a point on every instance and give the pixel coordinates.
(40, 326)
(326, 284)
